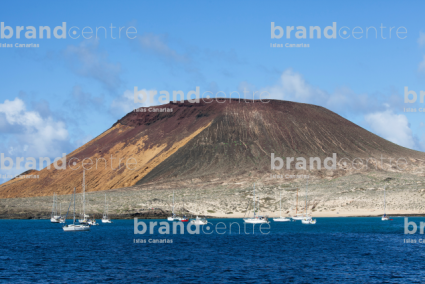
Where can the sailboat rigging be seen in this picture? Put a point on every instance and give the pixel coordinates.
(105, 218)
(199, 220)
(55, 218)
(73, 227)
(307, 218)
(256, 219)
(297, 215)
(84, 219)
(281, 219)
(174, 217)
(385, 217)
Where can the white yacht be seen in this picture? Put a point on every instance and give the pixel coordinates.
(84, 220)
(385, 217)
(256, 219)
(297, 215)
(307, 220)
(105, 218)
(199, 221)
(55, 217)
(73, 227)
(62, 218)
(92, 222)
(174, 216)
(281, 219)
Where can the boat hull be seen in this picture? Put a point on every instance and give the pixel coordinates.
(199, 221)
(174, 219)
(75, 228)
(308, 221)
(255, 221)
(281, 219)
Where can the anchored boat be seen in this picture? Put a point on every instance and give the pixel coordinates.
(256, 219)
(105, 218)
(281, 219)
(73, 227)
(55, 218)
(174, 216)
(385, 217)
(307, 220)
(297, 216)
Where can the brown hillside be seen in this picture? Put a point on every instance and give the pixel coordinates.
(209, 141)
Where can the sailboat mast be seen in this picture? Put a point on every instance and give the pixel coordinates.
(84, 194)
(74, 205)
(385, 201)
(296, 208)
(254, 200)
(306, 194)
(280, 196)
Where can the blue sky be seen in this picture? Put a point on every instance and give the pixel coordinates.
(58, 96)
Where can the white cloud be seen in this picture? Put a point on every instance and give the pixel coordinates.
(37, 136)
(88, 61)
(293, 87)
(125, 103)
(157, 44)
(391, 126)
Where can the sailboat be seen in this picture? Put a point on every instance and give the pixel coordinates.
(281, 219)
(256, 219)
(92, 222)
(54, 217)
(297, 216)
(105, 218)
(199, 221)
(84, 219)
(61, 219)
(307, 218)
(73, 227)
(184, 219)
(385, 217)
(174, 216)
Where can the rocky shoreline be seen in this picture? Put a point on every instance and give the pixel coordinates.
(162, 215)
(357, 195)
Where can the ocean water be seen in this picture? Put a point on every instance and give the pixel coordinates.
(349, 250)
